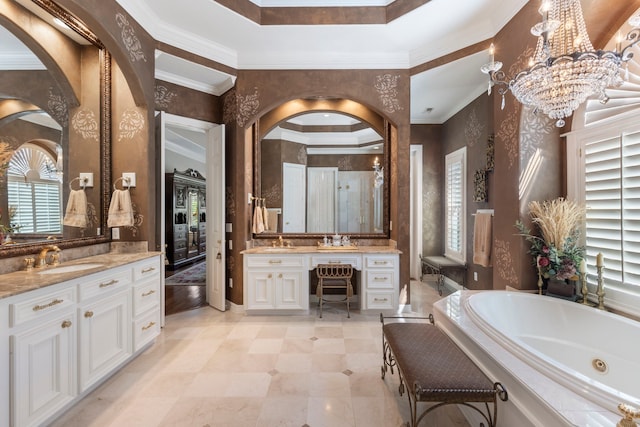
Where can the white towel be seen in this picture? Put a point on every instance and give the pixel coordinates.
(120, 209)
(265, 218)
(258, 224)
(482, 236)
(76, 213)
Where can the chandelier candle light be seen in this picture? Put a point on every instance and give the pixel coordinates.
(565, 69)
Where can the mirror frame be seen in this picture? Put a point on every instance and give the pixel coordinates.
(105, 137)
(347, 107)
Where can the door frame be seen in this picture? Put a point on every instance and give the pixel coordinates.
(215, 236)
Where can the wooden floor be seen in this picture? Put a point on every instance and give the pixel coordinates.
(183, 297)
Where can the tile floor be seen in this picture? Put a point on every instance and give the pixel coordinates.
(210, 369)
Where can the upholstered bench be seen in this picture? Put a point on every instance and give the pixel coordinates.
(433, 369)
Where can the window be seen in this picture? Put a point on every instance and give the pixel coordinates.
(34, 191)
(39, 206)
(606, 171)
(455, 209)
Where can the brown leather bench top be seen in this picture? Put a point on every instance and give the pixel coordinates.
(434, 367)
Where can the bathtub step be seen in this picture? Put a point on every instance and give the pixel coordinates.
(433, 369)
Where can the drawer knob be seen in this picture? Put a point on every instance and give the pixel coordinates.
(379, 278)
(151, 292)
(280, 276)
(380, 262)
(148, 270)
(66, 324)
(109, 283)
(51, 304)
(380, 299)
(270, 276)
(275, 261)
(144, 328)
(88, 314)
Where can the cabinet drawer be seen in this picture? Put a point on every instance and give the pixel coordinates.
(178, 255)
(379, 279)
(146, 295)
(354, 260)
(145, 329)
(103, 283)
(274, 261)
(42, 305)
(380, 300)
(181, 228)
(380, 261)
(147, 268)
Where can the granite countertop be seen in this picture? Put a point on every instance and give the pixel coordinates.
(22, 281)
(269, 250)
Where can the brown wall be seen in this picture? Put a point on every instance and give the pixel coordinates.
(258, 92)
(471, 128)
(430, 137)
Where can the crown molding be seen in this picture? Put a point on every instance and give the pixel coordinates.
(216, 90)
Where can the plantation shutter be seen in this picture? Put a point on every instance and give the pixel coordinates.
(612, 196)
(455, 166)
(39, 206)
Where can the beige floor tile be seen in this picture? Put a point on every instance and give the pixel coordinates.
(266, 345)
(293, 363)
(329, 345)
(330, 411)
(289, 384)
(283, 412)
(215, 369)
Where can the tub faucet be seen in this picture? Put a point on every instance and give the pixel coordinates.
(42, 257)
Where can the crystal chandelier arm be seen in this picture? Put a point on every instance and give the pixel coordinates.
(634, 37)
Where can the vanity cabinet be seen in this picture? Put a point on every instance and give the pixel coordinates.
(276, 283)
(43, 356)
(280, 281)
(186, 217)
(59, 342)
(380, 279)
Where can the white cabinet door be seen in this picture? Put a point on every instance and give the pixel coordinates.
(105, 337)
(260, 290)
(43, 375)
(288, 287)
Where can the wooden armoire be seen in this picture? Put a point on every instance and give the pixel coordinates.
(186, 215)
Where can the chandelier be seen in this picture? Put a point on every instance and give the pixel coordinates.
(565, 69)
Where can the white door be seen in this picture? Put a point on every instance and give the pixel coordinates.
(415, 206)
(215, 193)
(321, 200)
(160, 232)
(293, 198)
(215, 218)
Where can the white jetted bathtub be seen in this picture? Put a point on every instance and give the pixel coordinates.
(562, 363)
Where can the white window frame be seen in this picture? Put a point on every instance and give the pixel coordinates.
(623, 298)
(460, 212)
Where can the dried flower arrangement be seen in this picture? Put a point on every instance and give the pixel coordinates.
(556, 250)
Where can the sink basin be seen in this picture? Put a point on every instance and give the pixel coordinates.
(269, 249)
(70, 268)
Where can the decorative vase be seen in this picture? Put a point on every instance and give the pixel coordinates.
(565, 289)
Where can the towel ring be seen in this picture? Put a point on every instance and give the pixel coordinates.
(124, 180)
(83, 183)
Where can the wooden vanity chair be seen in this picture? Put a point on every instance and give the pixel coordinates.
(334, 276)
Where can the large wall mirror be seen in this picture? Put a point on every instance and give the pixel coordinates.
(322, 171)
(54, 115)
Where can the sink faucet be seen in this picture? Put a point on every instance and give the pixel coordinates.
(42, 257)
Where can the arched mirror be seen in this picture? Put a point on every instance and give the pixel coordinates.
(54, 110)
(320, 173)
